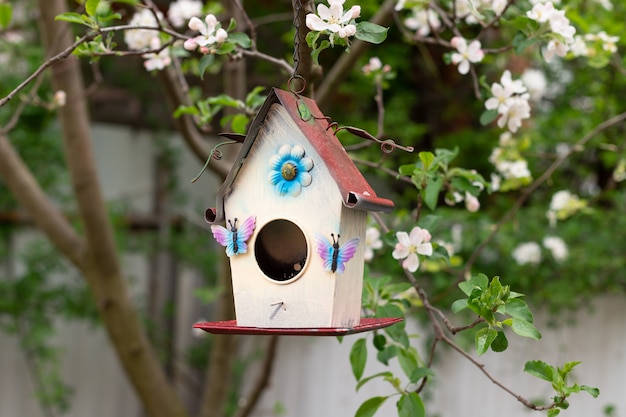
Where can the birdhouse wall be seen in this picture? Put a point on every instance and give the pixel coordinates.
(280, 281)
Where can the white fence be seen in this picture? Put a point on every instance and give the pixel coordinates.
(312, 376)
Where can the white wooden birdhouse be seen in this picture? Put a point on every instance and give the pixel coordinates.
(294, 211)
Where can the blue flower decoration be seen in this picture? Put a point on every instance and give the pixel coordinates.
(290, 170)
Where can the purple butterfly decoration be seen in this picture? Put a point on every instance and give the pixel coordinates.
(333, 255)
(233, 238)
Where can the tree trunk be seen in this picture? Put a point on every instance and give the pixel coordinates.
(99, 261)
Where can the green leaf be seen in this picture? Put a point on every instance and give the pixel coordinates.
(6, 14)
(431, 193)
(459, 305)
(594, 392)
(553, 412)
(408, 362)
(311, 38)
(362, 382)
(380, 341)
(240, 39)
(389, 352)
(316, 52)
(406, 169)
(521, 42)
(369, 407)
(225, 49)
(371, 32)
(238, 123)
(419, 373)
(411, 405)
(484, 338)
(91, 6)
(479, 281)
(488, 116)
(193, 110)
(254, 97)
(231, 25)
(525, 329)
(500, 343)
(540, 369)
(427, 159)
(568, 367)
(205, 62)
(71, 17)
(518, 309)
(358, 358)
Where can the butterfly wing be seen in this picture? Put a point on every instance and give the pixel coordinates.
(325, 251)
(244, 232)
(346, 252)
(224, 237)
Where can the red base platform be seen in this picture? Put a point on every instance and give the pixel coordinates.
(230, 327)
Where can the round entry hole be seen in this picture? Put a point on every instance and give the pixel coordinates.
(281, 250)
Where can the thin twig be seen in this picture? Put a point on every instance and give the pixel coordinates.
(53, 60)
(264, 378)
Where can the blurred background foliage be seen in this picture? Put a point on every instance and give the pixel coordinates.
(428, 105)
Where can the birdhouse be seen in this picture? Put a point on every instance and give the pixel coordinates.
(293, 209)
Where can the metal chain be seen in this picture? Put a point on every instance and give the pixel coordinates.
(296, 37)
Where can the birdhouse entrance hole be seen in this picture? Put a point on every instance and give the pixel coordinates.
(281, 251)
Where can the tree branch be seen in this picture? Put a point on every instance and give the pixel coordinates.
(264, 378)
(25, 188)
(100, 264)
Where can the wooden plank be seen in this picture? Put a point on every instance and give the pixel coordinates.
(230, 327)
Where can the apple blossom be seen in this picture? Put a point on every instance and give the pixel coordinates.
(156, 61)
(138, 39)
(556, 246)
(557, 24)
(422, 21)
(471, 203)
(333, 20)
(411, 245)
(518, 110)
(510, 99)
(211, 33)
(535, 81)
(181, 11)
(60, 98)
(466, 53)
(527, 253)
(372, 242)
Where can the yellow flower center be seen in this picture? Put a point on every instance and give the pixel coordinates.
(289, 171)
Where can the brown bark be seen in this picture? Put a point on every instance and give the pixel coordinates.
(99, 260)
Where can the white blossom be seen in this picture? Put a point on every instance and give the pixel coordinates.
(372, 242)
(517, 111)
(138, 39)
(536, 82)
(156, 61)
(411, 245)
(466, 53)
(182, 10)
(333, 19)
(211, 33)
(556, 246)
(527, 253)
(422, 21)
(60, 98)
(558, 24)
(471, 203)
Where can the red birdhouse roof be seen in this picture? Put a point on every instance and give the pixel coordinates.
(355, 190)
